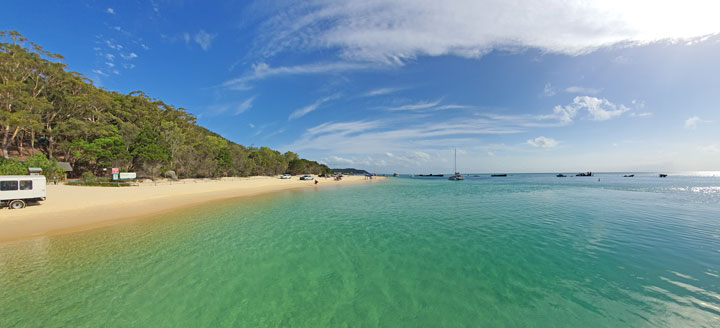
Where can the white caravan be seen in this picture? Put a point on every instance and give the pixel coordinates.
(18, 190)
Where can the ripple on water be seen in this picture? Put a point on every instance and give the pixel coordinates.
(523, 251)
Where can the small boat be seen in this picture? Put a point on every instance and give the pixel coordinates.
(663, 175)
(586, 174)
(395, 174)
(498, 175)
(629, 176)
(431, 175)
(457, 176)
(561, 175)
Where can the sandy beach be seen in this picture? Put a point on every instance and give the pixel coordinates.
(75, 208)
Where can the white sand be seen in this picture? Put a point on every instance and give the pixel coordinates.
(75, 208)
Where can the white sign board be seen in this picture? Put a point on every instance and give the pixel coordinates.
(128, 175)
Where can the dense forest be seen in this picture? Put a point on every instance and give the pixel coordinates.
(48, 110)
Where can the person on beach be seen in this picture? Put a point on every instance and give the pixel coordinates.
(316, 182)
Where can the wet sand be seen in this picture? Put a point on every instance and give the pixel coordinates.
(76, 208)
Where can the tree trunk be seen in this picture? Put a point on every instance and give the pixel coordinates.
(6, 132)
(19, 143)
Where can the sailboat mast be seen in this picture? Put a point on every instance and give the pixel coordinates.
(456, 160)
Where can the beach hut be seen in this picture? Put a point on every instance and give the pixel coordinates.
(66, 167)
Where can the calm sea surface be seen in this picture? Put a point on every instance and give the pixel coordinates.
(521, 251)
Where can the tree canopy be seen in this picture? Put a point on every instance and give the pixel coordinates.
(46, 109)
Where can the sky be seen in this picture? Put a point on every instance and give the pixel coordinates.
(397, 86)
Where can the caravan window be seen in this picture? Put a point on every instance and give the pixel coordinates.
(25, 184)
(8, 185)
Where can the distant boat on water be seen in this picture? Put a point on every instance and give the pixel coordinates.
(431, 175)
(586, 174)
(395, 174)
(457, 175)
(498, 175)
(663, 175)
(561, 175)
(629, 176)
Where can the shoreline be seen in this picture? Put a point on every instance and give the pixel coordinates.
(71, 209)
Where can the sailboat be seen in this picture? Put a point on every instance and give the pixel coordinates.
(457, 175)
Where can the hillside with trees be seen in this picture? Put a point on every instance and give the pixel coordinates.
(47, 109)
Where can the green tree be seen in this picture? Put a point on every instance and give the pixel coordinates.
(148, 151)
(10, 166)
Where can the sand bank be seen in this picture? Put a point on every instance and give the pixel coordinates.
(74, 208)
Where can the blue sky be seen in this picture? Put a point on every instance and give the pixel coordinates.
(515, 86)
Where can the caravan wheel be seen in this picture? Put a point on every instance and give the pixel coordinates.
(16, 204)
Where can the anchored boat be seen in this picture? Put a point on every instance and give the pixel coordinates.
(457, 175)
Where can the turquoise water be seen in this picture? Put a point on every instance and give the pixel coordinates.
(521, 251)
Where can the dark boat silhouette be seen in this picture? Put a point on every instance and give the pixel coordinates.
(498, 175)
(561, 175)
(586, 174)
(663, 175)
(629, 176)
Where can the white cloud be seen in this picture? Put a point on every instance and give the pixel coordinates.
(642, 114)
(576, 89)
(600, 109)
(426, 105)
(392, 31)
(620, 60)
(543, 142)
(548, 90)
(244, 106)
(112, 45)
(99, 72)
(110, 57)
(300, 112)
(186, 37)
(204, 39)
(252, 126)
(109, 64)
(110, 11)
(263, 70)
(129, 56)
(382, 91)
(709, 149)
(338, 160)
(692, 123)
(415, 106)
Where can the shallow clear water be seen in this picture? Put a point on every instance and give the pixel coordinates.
(523, 251)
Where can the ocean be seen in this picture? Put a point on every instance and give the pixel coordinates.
(527, 250)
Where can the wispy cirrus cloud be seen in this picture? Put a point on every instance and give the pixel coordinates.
(393, 31)
(245, 105)
(234, 108)
(262, 70)
(382, 91)
(425, 105)
(300, 112)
